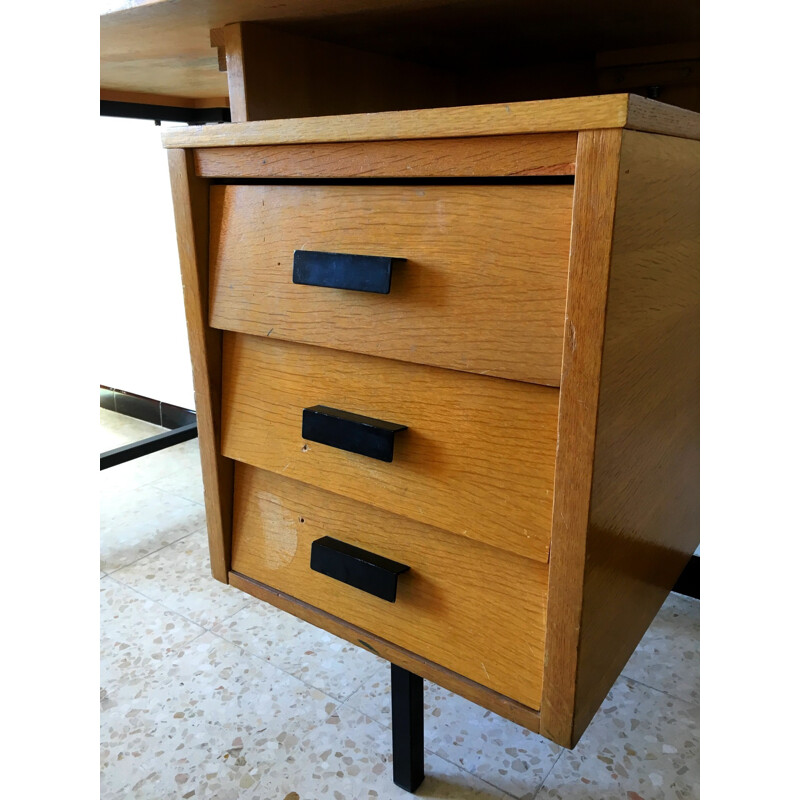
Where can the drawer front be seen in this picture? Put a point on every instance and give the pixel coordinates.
(482, 288)
(477, 457)
(471, 608)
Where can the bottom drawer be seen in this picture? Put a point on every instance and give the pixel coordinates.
(472, 608)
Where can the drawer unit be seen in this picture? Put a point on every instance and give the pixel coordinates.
(477, 459)
(538, 348)
(457, 600)
(483, 286)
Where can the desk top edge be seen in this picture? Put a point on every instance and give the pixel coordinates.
(536, 116)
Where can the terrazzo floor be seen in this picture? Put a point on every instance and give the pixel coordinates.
(208, 693)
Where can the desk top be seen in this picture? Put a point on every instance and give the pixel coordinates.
(537, 116)
(161, 49)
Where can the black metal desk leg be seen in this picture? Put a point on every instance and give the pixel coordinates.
(407, 729)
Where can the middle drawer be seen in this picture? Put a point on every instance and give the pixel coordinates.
(477, 459)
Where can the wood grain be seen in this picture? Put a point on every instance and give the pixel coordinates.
(627, 472)
(459, 599)
(499, 704)
(649, 115)
(477, 458)
(190, 203)
(537, 116)
(483, 289)
(236, 66)
(522, 155)
(644, 514)
(216, 37)
(596, 176)
(166, 43)
(175, 101)
(489, 466)
(273, 74)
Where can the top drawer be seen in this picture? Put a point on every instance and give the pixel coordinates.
(483, 288)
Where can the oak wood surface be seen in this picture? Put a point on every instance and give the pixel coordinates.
(273, 74)
(480, 156)
(457, 602)
(477, 458)
(653, 117)
(190, 204)
(175, 101)
(163, 46)
(624, 470)
(236, 69)
(597, 168)
(216, 37)
(538, 116)
(499, 704)
(482, 290)
(644, 513)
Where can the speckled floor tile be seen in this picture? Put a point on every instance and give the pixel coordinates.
(349, 758)
(139, 521)
(179, 577)
(118, 429)
(492, 748)
(641, 745)
(668, 657)
(154, 467)
(186, 482)
(137, 636)
(210, 724)
(316, 657)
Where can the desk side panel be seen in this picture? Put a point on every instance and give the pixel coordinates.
(190, 204)
(596, 177)
(644, 509)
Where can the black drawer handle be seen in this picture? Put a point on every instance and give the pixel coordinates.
(356, 567)
(352, 432)
(344, 271)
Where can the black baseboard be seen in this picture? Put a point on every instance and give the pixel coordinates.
(145, 408)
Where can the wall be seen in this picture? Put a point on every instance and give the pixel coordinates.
(142, 342)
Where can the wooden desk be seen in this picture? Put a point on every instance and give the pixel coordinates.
(474, 51)
(603, 522)
(538, 346)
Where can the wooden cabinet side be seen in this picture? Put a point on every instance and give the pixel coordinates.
(190, 204)
(593, 210)
(644, 507)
